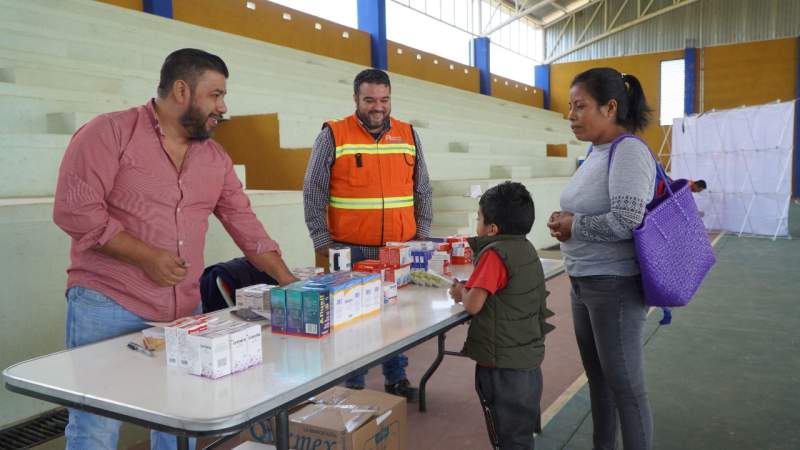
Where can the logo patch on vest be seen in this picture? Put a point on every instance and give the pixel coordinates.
(394, 139)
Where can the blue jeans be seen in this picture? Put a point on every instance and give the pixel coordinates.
(609, 315)
(92, 317)
(394, 368)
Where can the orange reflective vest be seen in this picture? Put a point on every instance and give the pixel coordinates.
(372, 183)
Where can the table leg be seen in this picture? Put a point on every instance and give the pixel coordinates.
(428, 373)
(282, 430)
(183, 442)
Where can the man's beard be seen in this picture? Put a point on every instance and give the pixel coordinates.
(194, 122)
(368, 122)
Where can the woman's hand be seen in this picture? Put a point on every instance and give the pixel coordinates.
(560, 224)
(553, 221)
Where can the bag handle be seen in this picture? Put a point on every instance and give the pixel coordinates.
(659, 170)
(666, 317)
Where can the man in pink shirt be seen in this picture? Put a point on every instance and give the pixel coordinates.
(134, 193)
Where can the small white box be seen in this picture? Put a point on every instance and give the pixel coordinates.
(371, 293)
(439, 263)
(211, 357)
(389, 293)
(402, 275)
(228, 347)
(254, 297)
(421, 246)
(171, 347)
(339, 259)
(353, 301)
(254, 348)
(240, 356)
(175, 338)
(305, 273)
(339, 313)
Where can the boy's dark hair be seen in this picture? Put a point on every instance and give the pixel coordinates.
(372, 76)
(508, 205)
(700, 183)
(605, 83)
(188, 64)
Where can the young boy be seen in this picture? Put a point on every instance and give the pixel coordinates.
(506, 297)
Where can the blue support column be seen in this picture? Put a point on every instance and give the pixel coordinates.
(161, 8)
(542, 81)
(480, 60)
(797, 125)
(372, 19)
(689, 80)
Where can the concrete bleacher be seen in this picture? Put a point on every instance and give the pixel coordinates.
(64, 62)
(82, 64)
(456, 213)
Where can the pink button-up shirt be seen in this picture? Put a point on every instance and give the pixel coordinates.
(116, 175)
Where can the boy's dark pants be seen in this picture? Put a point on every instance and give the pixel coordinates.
(510, 400)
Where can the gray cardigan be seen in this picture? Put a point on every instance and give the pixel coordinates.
(608, 205)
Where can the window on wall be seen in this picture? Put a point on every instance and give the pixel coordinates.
(672, 90)
(446, 28)
(344, 12)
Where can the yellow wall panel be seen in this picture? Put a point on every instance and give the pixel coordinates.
(266, 23)
(130, 4)
(515, 91)
(433, 68)
(254, 141)
(749, 74)
(647, 68)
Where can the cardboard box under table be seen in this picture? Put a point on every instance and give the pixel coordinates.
(342, 419)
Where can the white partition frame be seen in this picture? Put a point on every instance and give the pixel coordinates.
(745, 156)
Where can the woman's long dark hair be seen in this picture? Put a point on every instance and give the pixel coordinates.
(605, 83)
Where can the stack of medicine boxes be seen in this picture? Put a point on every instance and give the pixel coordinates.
(213, 348)
(315, 306)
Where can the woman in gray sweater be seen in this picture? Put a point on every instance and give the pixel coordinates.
(601, 206)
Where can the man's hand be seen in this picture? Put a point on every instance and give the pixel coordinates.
(164, 268)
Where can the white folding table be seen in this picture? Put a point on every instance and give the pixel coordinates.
(109, 379)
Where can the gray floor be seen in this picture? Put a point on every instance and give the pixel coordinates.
(725, 374)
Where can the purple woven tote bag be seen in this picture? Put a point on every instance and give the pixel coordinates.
(672, 245)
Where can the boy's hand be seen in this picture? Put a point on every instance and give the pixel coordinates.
(457, 291)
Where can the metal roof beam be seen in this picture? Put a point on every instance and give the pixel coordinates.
(589, 23)
(621, 8)
(560, 36)
(558, 6)
(517, 16)
(570, 12)
(625, 26)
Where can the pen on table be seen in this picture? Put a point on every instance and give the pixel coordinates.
(134, 346)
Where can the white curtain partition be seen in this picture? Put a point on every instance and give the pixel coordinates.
(745, 156)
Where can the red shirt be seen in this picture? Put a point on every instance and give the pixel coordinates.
(490, 273)
(116, 175)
